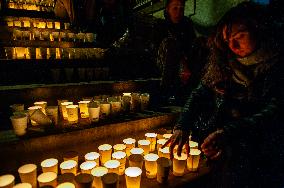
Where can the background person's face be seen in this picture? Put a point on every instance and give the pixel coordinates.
(175, 10)
(240, 41)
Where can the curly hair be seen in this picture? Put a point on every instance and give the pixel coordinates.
(249, 14)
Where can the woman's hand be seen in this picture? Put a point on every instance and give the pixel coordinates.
(179, 138)
(211, 146)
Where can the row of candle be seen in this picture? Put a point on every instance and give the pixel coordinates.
(37, 6)
(88, 108)
(112, 163)
(35, 23)
(53, 53)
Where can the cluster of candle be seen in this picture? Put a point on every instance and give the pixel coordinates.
(37, 5)
(52, 53)
(108, 163)
(25, 22)
(94, 109)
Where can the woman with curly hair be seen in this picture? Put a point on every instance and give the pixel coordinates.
(235, 112)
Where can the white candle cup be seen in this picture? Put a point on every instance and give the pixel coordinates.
(87, 166)
(145, 145)
(133, 177)
(115, 107)
(59, 101)
(19, 123)
(179, 163)
(7, 181)
(151, 165)
(23, 185)
(112, 166)
(42, 104)
(105, 151)
(93, 156)
(28, 174)
(165, 152)
(130, 143)
(47, 178)
(64, 110)
(71, 155)
(110, 180)
(121, 157)
(98, 172)
(69, 166)
(94, 112)
(135, 102)
(104, 109)
(40, 118)
(83, 106)
(139, 151)
(17, 107)
(193, 160)
(49, 165)
(66, 185)
(119, 147)
(163, 169)
(49, 25)
(52, 113)
(31, 111)
(126, 102)
(152, 137)
(56, 25)
(145, 98)
(160, 143)
(193, 145)
(72, 112)
(167, 136)
(136, 160)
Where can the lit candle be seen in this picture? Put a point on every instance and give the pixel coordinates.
(160, 143)
(17, 23)
(119, 147)
(72, 113)
(63, 109)
(105, 109)
(163, 169)
(152, 138)
(23, 185)
(105, 152)
(87, 166)
(66, 185)
(137, 151)
(27, 23)
(49, 25)
(126, 101)
(165, 152)
(193, 145)
(47, 178)
(98, 172)
(52, 113)
(130, 143)
(145, 145)
(41, 25)
(167, 136)
(83, 105)
(50, 165)
(121, 157)
(94, 111)
(133, 177)
(151, 165)
(57, 25)
(136, 160)
(112, 166)
(7, 181)
(69, 166)
(28, 174)
(42, 104)
(93, 156)
(179, 163)
(193, 160)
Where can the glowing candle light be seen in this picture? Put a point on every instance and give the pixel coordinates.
(152, 138)
(121, 157)
(28, 174)
(133, 177)
(165, 152)
(179, 163)
(151, 165)
(105, 152)
(7, 181)
(193, 145)
(66, 185)
(130, 143)
(93, 156)
(69, 166)
(119, 147)
(27, 23)
(42, 104)
(64, 110)
(57, 25)
(47, 178)
(87, 166)
(193, 160)
(160, 143)
(145, 145)
(23, 185)
(112, 166)
(72, 113)
(167, 136)
(163, 169)
(50, 165)
(84, 112)
(137, 151)
(98, 172)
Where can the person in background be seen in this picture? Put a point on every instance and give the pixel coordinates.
(174, 58)
(236, 112)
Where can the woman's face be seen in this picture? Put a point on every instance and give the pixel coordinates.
(175, 10)
(240, 40)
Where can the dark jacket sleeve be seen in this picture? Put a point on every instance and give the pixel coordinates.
(193, 107)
